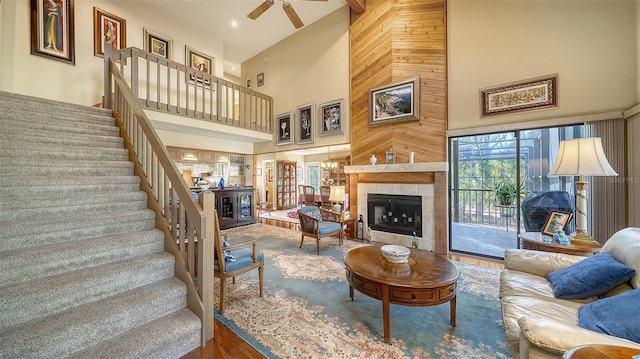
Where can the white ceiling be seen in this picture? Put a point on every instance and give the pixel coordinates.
(250, 37)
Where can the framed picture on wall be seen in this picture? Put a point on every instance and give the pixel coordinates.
(331, 117)
(110, 29)
(397, 102)
(284, 127)
(199, 61)
(306, 128)
(526, 95)
(52, 29)
(158, 44)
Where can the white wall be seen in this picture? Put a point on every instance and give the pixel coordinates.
(42, 77)
(311, 65)
(590, 44)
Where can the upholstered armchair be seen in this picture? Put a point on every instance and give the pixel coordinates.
(231, 260)
(318, 223)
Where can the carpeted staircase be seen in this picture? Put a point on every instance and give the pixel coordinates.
(83, 272)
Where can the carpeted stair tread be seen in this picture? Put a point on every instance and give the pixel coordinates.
(21, 156)
(56, 117)
(37, 103)
(62, 139)
(35, 232)
(62, 334)
(53, 199)
(19, 266)
(18, 186)
(61, 126)
(181, 329)
(64, 168)
(45, 296)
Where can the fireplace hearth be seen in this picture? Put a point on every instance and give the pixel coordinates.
(399, 214)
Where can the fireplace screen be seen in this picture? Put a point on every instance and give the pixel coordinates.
(395, 213)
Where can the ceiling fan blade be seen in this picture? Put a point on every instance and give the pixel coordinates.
(293, 16)
(260, 9)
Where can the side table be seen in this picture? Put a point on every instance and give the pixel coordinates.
(600, 351)
(533, 240)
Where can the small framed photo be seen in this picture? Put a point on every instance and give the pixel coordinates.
(260, 79)
(306, 128)
(110, 29)
(199, 61)
(158, 44)
(52, 30)
(526, 95)
(557, 221)
(390, 157)
(331, 117)
(249, 83)
(284, 127)
(397, 102)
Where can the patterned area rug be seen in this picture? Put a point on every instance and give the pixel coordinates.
(306, 311)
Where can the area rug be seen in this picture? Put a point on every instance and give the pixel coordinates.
(306, 311)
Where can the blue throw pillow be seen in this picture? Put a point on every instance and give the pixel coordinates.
(613, 316)
(590, 277)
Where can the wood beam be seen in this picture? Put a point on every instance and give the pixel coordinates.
(357, 6)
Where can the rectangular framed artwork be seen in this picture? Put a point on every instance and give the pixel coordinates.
(110, 29)
(52, 29)
(158, 44)
(306, 128)
(284, 126)
(331, 117)
(532, 94)
(397, 102)
(557, 220)
(199, 61)
(260, 79)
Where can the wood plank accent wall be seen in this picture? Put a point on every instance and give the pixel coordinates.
(391, 41)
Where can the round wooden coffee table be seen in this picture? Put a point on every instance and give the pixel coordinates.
(601, 351)
(427, 279)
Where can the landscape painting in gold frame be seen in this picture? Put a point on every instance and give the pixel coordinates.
(532, 94)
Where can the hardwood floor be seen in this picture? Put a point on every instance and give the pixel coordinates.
(226, 344)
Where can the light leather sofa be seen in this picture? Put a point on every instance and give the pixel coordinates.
(538, 325)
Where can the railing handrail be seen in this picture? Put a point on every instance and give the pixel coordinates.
(164, 85)
(177, 213)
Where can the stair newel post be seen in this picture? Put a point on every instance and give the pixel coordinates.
(108, 53)
(205, 263)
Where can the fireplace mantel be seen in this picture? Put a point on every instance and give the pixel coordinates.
(399, 167)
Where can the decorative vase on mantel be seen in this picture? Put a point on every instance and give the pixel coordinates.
(373, 159)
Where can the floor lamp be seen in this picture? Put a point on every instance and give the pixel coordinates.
(582, 157)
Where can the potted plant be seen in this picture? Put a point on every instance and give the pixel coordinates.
(506, 190)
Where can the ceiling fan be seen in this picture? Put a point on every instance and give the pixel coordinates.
(288, 9)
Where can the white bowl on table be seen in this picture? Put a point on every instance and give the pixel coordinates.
(395, 254)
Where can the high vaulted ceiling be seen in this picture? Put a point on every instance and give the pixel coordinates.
(249, 37)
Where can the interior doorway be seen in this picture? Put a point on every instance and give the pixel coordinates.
(268, 181)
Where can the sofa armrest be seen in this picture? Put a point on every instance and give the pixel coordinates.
(536, 262)
(556, 336)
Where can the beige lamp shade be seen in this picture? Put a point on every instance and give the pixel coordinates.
(337, 194)
(582, 157)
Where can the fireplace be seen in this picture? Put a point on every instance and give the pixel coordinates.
(391, 213)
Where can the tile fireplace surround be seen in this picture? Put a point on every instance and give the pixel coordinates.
(434, 201)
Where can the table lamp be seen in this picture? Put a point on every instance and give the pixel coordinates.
(582, 157)
(336, 196)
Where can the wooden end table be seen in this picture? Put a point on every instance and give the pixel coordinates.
(600, 351)
(533, 240)
(426, 280)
